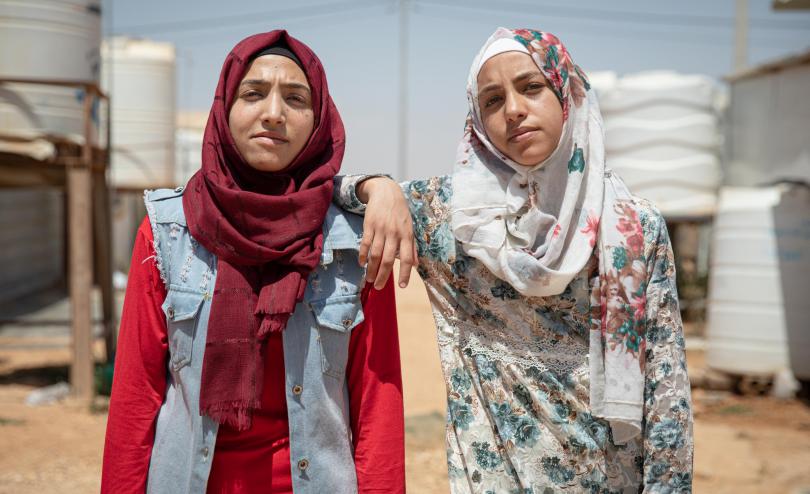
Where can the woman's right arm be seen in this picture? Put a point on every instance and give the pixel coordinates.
(139, 383)
(409, 217)
(387, 227)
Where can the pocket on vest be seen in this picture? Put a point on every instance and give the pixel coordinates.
(336, 318)
(181, 307)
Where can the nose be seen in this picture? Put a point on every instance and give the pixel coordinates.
(273, 114)
(514, 107)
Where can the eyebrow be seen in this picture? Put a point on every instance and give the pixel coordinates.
(262, 82)
(520, 77)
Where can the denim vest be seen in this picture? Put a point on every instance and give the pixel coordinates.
(316, 343)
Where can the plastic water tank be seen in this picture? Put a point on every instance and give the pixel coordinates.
(140, 76)
(189, 154)
(603, 81)
(189, 134)
(47, 39)
(662, 136)
(758, 315)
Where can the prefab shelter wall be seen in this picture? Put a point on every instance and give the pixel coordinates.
(768, 139)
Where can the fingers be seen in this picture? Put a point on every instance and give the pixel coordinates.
(387, 233)
(375, 257)
(406, 260)
(369, 231)
(387, 264)
(365, 243)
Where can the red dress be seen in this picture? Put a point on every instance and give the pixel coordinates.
(256, 460)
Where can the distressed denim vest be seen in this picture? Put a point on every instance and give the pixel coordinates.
(316, 343)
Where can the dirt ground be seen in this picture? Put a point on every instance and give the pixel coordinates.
(743, 444)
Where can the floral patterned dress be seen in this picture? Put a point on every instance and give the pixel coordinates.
(517, 375)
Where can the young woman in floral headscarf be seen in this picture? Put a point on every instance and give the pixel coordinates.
(552, 286)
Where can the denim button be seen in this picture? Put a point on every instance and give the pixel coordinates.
(303, 464)
(297, 389)
(170, 312)
(347, 322)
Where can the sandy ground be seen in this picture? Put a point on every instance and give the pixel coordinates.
(743, 444)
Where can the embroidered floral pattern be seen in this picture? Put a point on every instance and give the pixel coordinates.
(516, 370)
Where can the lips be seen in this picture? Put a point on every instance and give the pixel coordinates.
(270, 138)
(522, 134)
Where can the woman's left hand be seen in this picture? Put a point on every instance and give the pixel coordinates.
(387, 231)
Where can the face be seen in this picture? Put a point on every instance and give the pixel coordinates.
(521, 114)
(271, 118)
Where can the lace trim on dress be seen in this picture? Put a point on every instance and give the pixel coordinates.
(537, 348)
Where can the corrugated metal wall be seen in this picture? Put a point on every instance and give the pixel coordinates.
(32, 253)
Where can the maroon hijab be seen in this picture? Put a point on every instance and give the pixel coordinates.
(265, 229)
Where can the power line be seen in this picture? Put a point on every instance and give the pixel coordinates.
(611, 15)
(202, 24)
(205, 38)
(469, 17)
(634, 33)
(554, 11)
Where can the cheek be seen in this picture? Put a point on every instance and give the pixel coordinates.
(553, 115)
(303, 123)
(238, 118)
(548, 114)
(495, 127)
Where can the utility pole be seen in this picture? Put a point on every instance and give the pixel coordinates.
(402, 158)
(741, 35)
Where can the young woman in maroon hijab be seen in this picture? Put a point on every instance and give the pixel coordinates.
(260, 210)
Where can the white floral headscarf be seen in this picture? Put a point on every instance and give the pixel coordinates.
(536, 227)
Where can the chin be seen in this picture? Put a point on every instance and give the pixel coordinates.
(526, 158)
(268, 164)
(532, 156)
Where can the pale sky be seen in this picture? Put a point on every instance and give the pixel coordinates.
(357, 41)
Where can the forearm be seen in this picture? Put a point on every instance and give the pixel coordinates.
(399, 221)
(668, 439)
(351, 192)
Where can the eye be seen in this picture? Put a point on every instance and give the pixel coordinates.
(296, 98)
(252, 95)
(534, 86)
(492, 101)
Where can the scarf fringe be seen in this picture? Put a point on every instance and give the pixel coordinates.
(272, 323)
(236, 414)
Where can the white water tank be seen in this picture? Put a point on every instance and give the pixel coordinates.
(602, 81)
(189, 154)
(47, 39)
(758, 314)
(662, 135)
(140, 77)
(189, 138)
